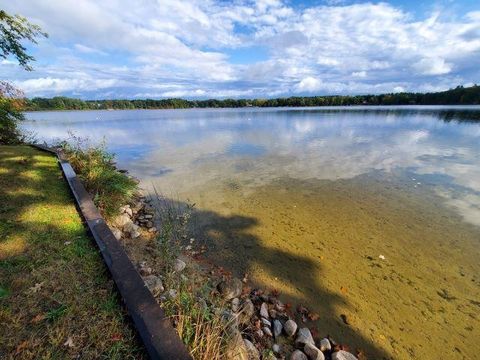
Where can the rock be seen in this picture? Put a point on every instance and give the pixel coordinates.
(272, 313)
(128, 211)
(298, 355)
(290, 327)
(230, 289)
(117, 233)
(145, 270)
(149, 224)
(148, 216)
(235, 305)
(236, 348)
(132, 229)
(172, 294)
(252, 351)
(266, 322)
(313, 352)
(343, 355)
(279, 306)
(154, 284)
(267, 331)
(276, 348)
(304, 336)
(246, 312)
(152, 229)
(121, 220)
(325, 345)
(179, 265)
(277, 328)
(264, 311)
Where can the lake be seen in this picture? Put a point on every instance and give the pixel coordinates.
(368, 212)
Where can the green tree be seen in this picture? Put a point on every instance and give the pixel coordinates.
(13, 30)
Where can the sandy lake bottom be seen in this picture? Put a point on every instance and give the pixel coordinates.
(320, 243)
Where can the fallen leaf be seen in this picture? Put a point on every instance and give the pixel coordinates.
(38, 318)
(21, 347)
(69, 343)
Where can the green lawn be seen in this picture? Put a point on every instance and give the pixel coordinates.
(56, 298)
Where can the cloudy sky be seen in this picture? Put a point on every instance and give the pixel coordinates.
(267, 48)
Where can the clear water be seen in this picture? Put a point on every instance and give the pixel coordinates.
(306, 200)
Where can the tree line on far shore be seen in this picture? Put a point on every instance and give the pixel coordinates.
(457, 96)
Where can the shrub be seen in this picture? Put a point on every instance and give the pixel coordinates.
(96, 168)
(11, 103)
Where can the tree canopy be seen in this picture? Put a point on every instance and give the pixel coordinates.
(13, 30)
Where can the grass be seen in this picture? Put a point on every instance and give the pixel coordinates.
(56, 299)
(95, 167)
(195, 312)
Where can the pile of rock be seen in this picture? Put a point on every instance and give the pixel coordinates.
(133, 219)
(270, 330)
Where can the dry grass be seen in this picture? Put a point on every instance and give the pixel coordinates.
(56, 299)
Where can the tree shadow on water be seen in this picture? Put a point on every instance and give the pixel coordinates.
(231, 244)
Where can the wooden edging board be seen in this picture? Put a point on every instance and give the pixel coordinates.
(157, 333)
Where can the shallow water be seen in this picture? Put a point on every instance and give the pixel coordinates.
(306, 201)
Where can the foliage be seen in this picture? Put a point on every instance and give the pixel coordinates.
(14, 29)
(458, 96)
(11, 103)
(95, 167)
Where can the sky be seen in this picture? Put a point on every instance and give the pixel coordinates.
(197, 49)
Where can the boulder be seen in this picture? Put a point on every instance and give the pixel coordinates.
(154, 284)
(264, 311)
(298, 355)
(304, 336)
(325, 345)
(290, 327)
(277, 328)
(313, 352)
(230, 288)
(343, 355)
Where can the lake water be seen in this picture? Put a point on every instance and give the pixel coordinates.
(369, 212)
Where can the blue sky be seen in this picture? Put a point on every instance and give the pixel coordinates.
(241, 48)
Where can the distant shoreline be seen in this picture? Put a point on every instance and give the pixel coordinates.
(457, 96)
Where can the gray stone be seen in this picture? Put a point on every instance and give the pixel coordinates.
(272, 313)
(290, 327)
(276, 348)
(264, 311)
(343, 355)
(304, 336)
(132, 229)
(277, 328)
(313, 352)
(325, 345)
(252, 351)
(179, 265)
(298, 355)
(266, 322)
(148, 216)
(235, 305)
(152, 229)
(230, 289)
(128, 211)
(117, 233)
(267, 331)
(149, 224)
(154, 284)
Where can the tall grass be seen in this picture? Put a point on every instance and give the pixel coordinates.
(96, 168)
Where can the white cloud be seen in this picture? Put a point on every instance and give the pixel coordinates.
(351, 48)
